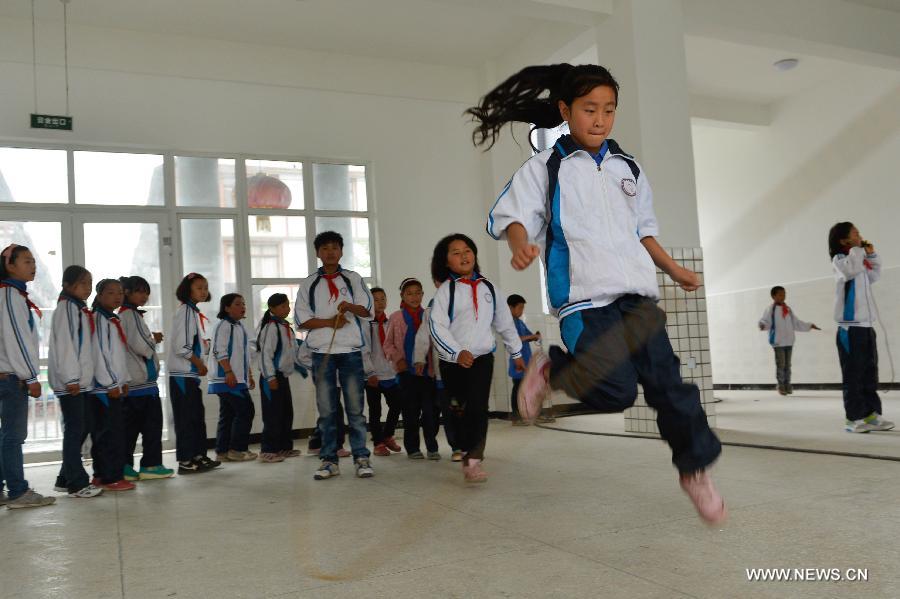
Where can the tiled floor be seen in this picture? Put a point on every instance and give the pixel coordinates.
(563, 515)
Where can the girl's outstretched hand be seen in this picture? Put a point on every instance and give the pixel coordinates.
(524, 255)
(686, 279)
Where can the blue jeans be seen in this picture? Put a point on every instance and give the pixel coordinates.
(13, 430)
(327, 370)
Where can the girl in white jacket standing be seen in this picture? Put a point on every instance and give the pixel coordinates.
(70, 370)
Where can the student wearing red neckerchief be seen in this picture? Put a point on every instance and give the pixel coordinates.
(70, 372)
(417, 386)
(142, 407)
(334, 305)
(464, 319)
(781, 322)
(856, 266)
(188, 346)
(383, 380)
(19, 371)
(111, 387)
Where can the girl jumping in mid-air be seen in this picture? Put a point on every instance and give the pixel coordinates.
(585, 207)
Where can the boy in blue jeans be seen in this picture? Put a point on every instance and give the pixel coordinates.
(332, 304)
(516, 305)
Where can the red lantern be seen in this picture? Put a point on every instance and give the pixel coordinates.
(265, 191)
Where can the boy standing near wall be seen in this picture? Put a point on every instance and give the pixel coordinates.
(781, 322)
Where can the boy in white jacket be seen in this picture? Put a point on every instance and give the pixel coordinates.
(781, 322)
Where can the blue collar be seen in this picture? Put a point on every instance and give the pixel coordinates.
(20, 285)
(455, 277)
(192, 306)
(321, 270)
(566, 145)
(230, 319)
(74, 300)
(598, 157)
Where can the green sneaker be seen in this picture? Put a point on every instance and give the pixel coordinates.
(153, 472)
(130, 474)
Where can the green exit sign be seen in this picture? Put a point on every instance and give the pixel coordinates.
(51, 121)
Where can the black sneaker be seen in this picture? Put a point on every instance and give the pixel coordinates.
(190, 467)
(206, 463)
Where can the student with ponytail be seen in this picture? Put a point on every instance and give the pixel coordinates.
(856, 266)
(19, 371)
(70, 372)
(142, 407)
(111, 381)
(585, 208)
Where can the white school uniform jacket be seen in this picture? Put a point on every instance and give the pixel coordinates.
(189, 335)
(71, 357)
(423, 345)
(781, 326)
(315, 301)
(277, 349)
(229, 340)
(374, 361)
(854, 274)
(588, 220)
(19, 341)
(464, 328)
(143, 363)
(110, 347)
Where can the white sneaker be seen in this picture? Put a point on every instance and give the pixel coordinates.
(875, 422)
(86, 492)
(327, 470)
(857, 426)
(364, 468)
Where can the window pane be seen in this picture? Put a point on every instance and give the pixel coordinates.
(121, 179)
(33, 176)
(136, 253)
(261, 294)
(274, 184)
(207, 247)
(340, 187)
(278, 247)
(207, 182)
(355, 232)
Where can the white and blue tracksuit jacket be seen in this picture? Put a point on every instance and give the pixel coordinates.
(110, 367)
(588, 215)
(19, 337)
(315, 301)
(143, 363)
(188, 337)
(854, 274)
(229, 340)
(71, 357)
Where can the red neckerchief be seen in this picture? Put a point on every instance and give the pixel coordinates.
(332, 288)
(846, 250)
(414, 313)
(474, 285)
(381, 319)
(201, 315)
(84, 310)
(31, 304)
(784, 309)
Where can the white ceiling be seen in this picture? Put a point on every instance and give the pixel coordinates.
(448, 32)
(727, 70)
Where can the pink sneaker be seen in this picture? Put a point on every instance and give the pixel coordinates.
(343, 453)
(534, 388)
(472, 471)
(710, 505)
(382, 450)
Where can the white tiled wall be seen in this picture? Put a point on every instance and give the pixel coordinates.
(688, 330)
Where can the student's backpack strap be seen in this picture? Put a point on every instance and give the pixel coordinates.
(312, 290)
(452, 299)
